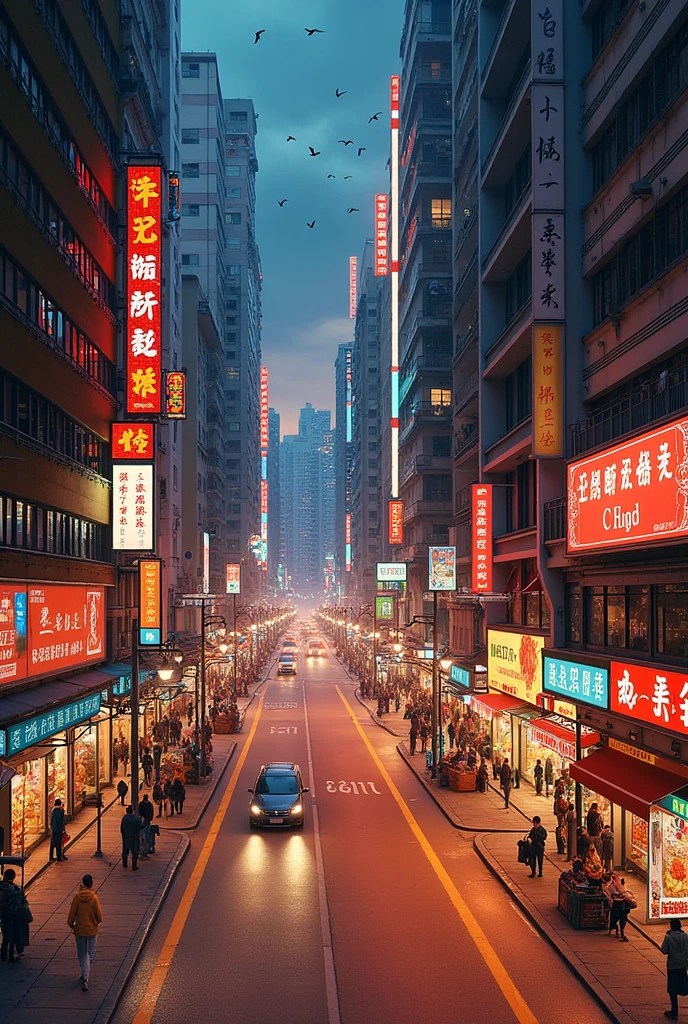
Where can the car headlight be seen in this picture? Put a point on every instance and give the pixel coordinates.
(255, 809)
(297, 808)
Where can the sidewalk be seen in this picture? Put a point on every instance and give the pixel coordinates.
(628, 979)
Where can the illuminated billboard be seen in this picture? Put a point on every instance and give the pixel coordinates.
(144, 293)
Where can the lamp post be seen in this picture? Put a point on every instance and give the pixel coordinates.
(445, 665)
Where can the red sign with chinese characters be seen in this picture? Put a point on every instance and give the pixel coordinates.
(264, 410)
(630, 494)
(150, 587)
(175, 395)
(548, 392)
(144, 272)
(394, 96)
(381, 235)
(650, 694)
(395, 521)
(481, 534)
(133, 441)
(353, 285)
(66, 627)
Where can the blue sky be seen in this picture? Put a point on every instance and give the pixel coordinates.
(292, 80)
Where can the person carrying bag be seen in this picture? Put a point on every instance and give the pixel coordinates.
(675, 948)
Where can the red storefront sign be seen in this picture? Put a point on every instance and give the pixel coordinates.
(143, 320)
(13, 633)
(650, 694)
(264, 410)
(133, 441)
(233, 577)
(631, 494)
(175, 395)
(395, 521)
(381, 235)
(353, 285)
(394, 96)
(481, 536)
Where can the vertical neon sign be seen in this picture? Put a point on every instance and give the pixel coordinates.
(144, 274)
(264, 442)
(394, 250)
(353, 285)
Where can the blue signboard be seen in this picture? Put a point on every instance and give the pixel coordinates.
(460, 675)
(3, 741)
(149, 637)
(33, 730)
(573, 680)
(676, 803)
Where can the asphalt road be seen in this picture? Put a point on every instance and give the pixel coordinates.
(419, 928)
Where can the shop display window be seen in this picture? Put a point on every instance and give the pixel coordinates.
(637, 835)
(104, 752)
(84, 763)
(672, 619)
(616, 617)
(594, 616)
(501, 733)
(56, 764)
(573, 618)
(668, 874)
(28, 805)
(535, 751)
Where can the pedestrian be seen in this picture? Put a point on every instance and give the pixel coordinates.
(130, 828)
(538, 774)
(83, 918)
(538, 838)
(549, 775)
(571, 819)
(124, 753)
(189, 714)
(607, 839)
(496, 766)
(594, 824)
(168, 790)
(158, 797)
(675, 948)
(122, 790)
(57, 824)
(115, 756)
(147, 765)
(146, 812)
(561, 809)
(505, 781)
(179, 795)
(559, 793)
(423, 737)
(413, 736)
(451, 731)
(616, 894)
(14, 931)
(482, 777)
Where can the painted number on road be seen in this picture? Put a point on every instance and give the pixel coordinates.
(283, 729)
(352, 787)
(280, 706)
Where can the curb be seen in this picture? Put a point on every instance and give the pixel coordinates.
(210, 793)
(614, 1011)
(374, 717)
(77, 837)
(105, 1014)
(445, 810)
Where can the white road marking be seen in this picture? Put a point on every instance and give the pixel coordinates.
(281, 706)
(284, 730)
(333, 1015)
(352, 787)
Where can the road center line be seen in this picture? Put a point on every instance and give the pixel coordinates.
(521, 1010)
(149, 1000)
(333, 1016)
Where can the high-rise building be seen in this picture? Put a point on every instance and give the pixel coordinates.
(425, 288)
(275, 580)
(241, 324)
(366, 491)
(343, 464)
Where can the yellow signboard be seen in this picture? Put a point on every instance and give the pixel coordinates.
(548, 391)
(636, 752)
(514, 663)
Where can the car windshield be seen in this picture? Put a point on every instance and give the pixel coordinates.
(286, 659)
(277, 785)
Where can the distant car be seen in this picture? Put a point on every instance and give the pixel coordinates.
(315, 649)
(286, 665)
(277, 800)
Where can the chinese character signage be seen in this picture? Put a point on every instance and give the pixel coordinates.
(144, 273)
(481, 533)
(514, 663)
(441, 568)
(547, 39)
(381, 235)
(667, 884)
(264, 408)
(577, 681)
(650, 694)
(394, 571)
(395, 522)
(460, 676)
(384, 608)
(632, 493)
(548, 147)
(133, 440)
(175, 395)
(548, 267)
(548, 391)
(13, 633)
(233, 576)
(347, 541)
(353, 286)
(33, 730)
(206, 562)
(132, 506)
(3, 743)
(150, 601)
(66, 627)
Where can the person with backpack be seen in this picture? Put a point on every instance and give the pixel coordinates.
(83, 918)
(537, 837)
(15, 918)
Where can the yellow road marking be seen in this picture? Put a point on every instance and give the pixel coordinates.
(522, 1011)
(149, 1001)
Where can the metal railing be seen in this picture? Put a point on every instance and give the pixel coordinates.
(465, 438)
(555, 519)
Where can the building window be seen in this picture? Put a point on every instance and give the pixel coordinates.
(440, 212)
(234, 425)
(190, 259)
(526, 491)
(233, 243)
(437, 487)
(440, 396)
(573, 618)
(191, 210)
(39, 528)
(234, 193)
(604, 23)
(191, 170)
(672, 619)
(518, 288)
(518, 388)
(441, 446)
(234, 218)
(234, 270)
(238, 117)
(190, 70)
(233, 170)
(190, 136)
(616, 617)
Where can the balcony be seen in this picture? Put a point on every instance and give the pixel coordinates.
(424, 508)
(440, 316)
(465, 439)
(425, 464)
(555, 519)
(513, 129)
(463, 341)
(511, 448)
(424, 412)
(467, 392)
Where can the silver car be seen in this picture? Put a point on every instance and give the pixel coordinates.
(277, 800)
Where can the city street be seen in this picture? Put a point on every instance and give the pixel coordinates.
(419, 927)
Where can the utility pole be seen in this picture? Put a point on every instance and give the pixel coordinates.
(435, 687)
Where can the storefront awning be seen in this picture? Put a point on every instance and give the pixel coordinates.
(631, 783)
(554, 737)
(494, 703)
(53, 694)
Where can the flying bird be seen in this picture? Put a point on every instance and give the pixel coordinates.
(281, 202)
(347, 142)
(258, 35)
(290, 138)
(313, 152)
(312, 31)
(311, 224)
(361, 149)
(374, 117)
(340, 92)
(352, 209)
(348, 176)
(331, 175)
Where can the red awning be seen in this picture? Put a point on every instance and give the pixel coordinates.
(533, 587)
(490, 703)
(631, 783)
(554, 737)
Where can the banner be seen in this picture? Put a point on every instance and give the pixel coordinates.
(132, 507)
(381, 235)
(442, 568)
(233, 576)
(481, 535)
(395, 522)
(514, 664)
(175, 395)
(384, 608)
(548, 392)
(144, 294)
(150, 601)
(395, 571)
(133, 441)
(353, 286)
